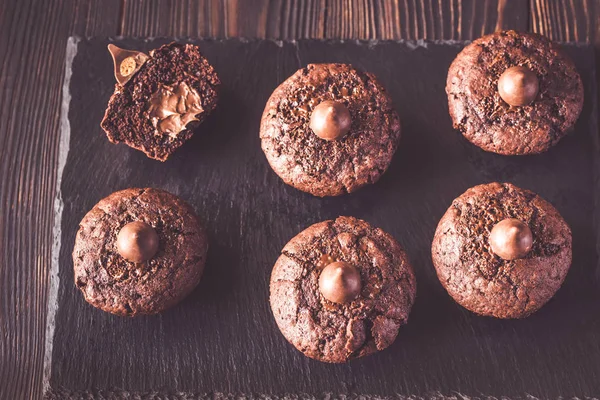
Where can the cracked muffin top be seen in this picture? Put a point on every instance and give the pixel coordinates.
(341, 289)
(501, 251)
(513, 93)
(139, 251)
(329, 129)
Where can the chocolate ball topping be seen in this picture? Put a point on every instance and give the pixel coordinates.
(511, 239)
(330, 120)
(137, 242)
(128, 66)
(340, 282)
(518, 86)
(127, 62)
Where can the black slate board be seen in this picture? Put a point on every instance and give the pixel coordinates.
(223, 340)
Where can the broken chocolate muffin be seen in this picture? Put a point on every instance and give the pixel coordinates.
(159, 98)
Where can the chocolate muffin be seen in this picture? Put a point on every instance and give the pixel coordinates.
(139, 251)
(513, 93)
(501, 251)
(329, 129)
(159, 99)
(341, 289)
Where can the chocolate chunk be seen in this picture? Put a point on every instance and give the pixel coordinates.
(127, 62)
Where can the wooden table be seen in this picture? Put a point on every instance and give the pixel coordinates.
(32, 43)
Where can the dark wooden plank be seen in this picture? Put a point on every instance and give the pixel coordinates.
(324, 19)
(223, 338)
(205, 18)
(32, 41)
(565, 21)
(574, 20)
(513, 14)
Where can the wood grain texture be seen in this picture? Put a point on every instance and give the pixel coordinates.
(223, 338)
(565, 21)
(32, 42)
(324, 19)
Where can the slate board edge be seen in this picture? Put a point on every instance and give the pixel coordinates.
(63, 152)
(62, 393)
(596, 163)
(368, 42)
(50, 392)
